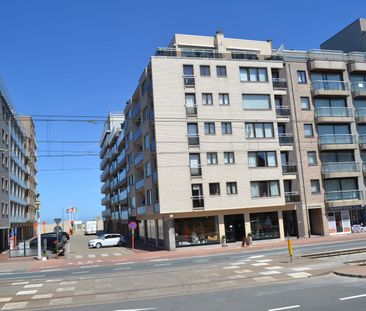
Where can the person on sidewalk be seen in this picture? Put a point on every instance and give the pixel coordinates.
(247, 240)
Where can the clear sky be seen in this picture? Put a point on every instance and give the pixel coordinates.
(84, 57)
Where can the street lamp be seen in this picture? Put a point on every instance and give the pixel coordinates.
(38, 207)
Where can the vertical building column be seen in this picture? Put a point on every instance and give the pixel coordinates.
(280, 223)
(169, 234)
(221, 226)
(247, 223)
(156, 233)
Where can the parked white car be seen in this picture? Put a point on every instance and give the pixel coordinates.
(108, 239)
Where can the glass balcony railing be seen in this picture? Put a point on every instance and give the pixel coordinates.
(198, 202)
(343, 195)
(292, 197)
(136, 111)
(360, 113)
(328, 85)
(139, 158)
(336, 139)
(279, 83)
(358, 87)
(141, 209)
(196, 171)
(340, 167)
(289, 168)
(140, 183)
(189, 81)
(191, 111)
(283, 111)
(333, 112)
(122, 195)
(362, 139)
(193, 140)
(286, 138)
(137, 134)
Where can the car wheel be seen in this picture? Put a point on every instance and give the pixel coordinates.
(119, 244)
(98, 245)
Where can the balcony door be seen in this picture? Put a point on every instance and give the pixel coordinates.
(192, 129)
(336, 129)
(340, 184)
(326, 76)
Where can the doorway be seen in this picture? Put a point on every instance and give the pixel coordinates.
(290, 223)
(316, 221)
(234, 227)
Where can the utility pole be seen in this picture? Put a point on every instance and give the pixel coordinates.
(38, 206)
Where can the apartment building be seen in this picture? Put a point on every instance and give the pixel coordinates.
(18, 185)
(227, 136)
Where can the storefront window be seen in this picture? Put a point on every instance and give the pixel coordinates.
(196, 231)
(160, 232)
(264, 226)
(151, 229)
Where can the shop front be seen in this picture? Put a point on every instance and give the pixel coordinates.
(265, 226)
(342, 219)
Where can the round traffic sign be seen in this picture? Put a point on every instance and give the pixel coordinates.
(132, 225)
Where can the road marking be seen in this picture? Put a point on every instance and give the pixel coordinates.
(104, 255)
(52, 270)
(78, 256)
(44, 296)
(33, 285)
(15, 305)
(264, 279)
(68, 283)
(163, 259)
(117, 254)
(136, 309)
(259, 264)
(65, 289)
(122, 268)
(5, 299)
(299, 275)
(91, 256)
(274, 268)
(299, 269)
(80, 272)
(162, 264)
(6, 273)
(243, 271)
(270, 272)
(264, 260)
(124, 263)
(53, 280)
(86, 267)
(26, 292)
(60, 301)
(201, 260)
(20, 283)
(257, 256)
(352, 297)
(230, 267)
(285, 308)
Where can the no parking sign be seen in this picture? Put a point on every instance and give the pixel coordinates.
(132, 225)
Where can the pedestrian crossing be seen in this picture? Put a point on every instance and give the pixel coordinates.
(98, 255)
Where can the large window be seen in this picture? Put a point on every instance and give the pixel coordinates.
(301, 76)
(210, 128)
(252, 74)
(205, 70)
(264, 225)
(262, 159)
(221, 71)
(190, 100)
(330, 103)
(312, 158)
(231, 187)
(226, 128)
(259, 130)
(214, 188)
(315, 186)
(224, 99)
(268, 188)
(188, 70)
(207, 99)
(229, 158)
(211, 158)
(305, 103)
(256, 102)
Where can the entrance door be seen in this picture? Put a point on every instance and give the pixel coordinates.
(290, 223)
(339, 222)
(234, 227)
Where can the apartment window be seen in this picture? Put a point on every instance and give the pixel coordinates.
(214, 188)
(148, 169)
(262, 159)
(190, 100)
(195, 164)
(149, 199)
(205, 70)
(315, 186)
(308, 130)
(221, 71)
(259, 130)
(210, 128)
(224, 99)
(256, 102)
(312, 158)
(301, 76)
(188, 70)
(207, 99)
(266, 188)
(305, 103)
(211, 158)
(229, 158)
(251, 74)
(226, 128)
(147, 142)
(2, 183)
(231, 187)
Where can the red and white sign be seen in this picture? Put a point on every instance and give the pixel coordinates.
(71, 210)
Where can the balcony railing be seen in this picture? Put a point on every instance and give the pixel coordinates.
(342, 112)
(279, 83)
(358, 87)
(136, 111)
(328, 85)
(292, 197)
(137, 134)
(196, 170)
(340, 167)
(289, 168)
(193, 140)
(189, 81)
(336, 139)
(122, 195)
(362, 139)
(139, 158)
(156, 207)
(140, 183)
(283, 111)
(286, 138)
(141, 210)
(343, 195)
(191, 111)
(360, 113)
(198, 202)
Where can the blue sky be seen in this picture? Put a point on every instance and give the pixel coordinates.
(84, 57)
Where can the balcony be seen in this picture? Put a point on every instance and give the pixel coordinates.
(283, 111)
(114, 199)
(135, 113)
(122, 177)
(362, 141)
(155, 176)
(137, 135)
(156, 207)
(333, 114)
(358, 89)
(105, 200)
(121, 157)
(357, 62)
(122, 196)
(364, 168)
(329, 65)
(140, 183)
(191, 111)
(198, 202)
(343, 198)
(196, 171)
(337, 141)
(292, 197)
(138, 159)
(189, 81)
(279, 84)
(105, 187)
(289, 168)
(360, 115)
(285, 138)
(329, 88)
(193, 140)
(104, 160)
(340, 169)
(141, 210)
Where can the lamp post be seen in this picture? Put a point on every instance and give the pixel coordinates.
(38, 207)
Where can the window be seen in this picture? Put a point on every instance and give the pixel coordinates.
(146, 142)
(305, 103)
(195, 164)
(256, 102)
(308, 130)
(214, 188)
(188, 70)
(252, 74)
(226, 128)
(224, 99)
(259, 130)
(221, 71)
(262, 159)
(205, 70)
(149, 197)
(211, 158)
(315, 186)
(264, 188)
(207, 99)
(210, 128)
(301, 76)
(231, 187)
(312, 158)
(190, 100)
(148, 169)
(229, 158)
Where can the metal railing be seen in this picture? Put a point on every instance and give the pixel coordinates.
(198, 201)
(196, 170)
(326, 54)
(292, 197)
(189, 81)
(193, 140)
(289, 168)
(279, 83)
(358, 86)
(286, 138)
(325, 85)
(341, 167)
(336, 139)
(283, 111)
(333, 112)
(343, 195)
(191, 110)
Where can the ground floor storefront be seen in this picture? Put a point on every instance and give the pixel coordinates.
(345, 219)
(4, 241)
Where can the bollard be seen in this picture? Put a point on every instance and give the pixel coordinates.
(289, 246)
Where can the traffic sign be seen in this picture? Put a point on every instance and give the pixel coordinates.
(132, 225)
(57, 221)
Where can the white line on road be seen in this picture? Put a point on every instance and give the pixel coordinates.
(5, 299)
(122, 268)
(86, 267)
(162, 264)
(20, 283)
(285, 308)
(26, 292)
(136, 309)
(33, 285)
(52, 270)
(352, 297)
(91, 256)
(125, 263)
(162, 259)
(15, 305)
(80, 272)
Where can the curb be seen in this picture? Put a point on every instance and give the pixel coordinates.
(359, 276)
